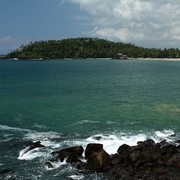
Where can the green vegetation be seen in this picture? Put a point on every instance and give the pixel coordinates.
(87, 48)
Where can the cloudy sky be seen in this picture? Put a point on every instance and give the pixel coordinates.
(147, 23)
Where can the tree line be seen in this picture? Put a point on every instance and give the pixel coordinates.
(87, 48)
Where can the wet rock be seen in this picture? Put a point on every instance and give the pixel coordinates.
(98, 138)
(71, 154)
(121, 173)
(174, 161)
(124, 150)
(146, 145)
(97, 158)
(48, 165)
(163, 143)
(92, 148)
(5, 171)
(146, 160)
(34, 145)
(116, 159)
(6, 174)
(178, 142)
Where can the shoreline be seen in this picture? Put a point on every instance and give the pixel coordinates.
(69, 59)
(157, 59)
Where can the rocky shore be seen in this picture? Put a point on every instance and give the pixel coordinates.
(146, 160)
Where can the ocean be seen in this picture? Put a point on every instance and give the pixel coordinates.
(64, 103)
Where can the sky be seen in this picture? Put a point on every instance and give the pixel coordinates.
(146, 23)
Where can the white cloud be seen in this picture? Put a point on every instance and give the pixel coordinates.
(8, 42)
(138, 21)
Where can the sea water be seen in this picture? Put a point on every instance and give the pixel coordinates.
(67, 103)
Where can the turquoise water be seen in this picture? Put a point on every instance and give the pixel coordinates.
(65, 103)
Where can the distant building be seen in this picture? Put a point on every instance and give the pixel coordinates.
(2, 56)
(121, 56)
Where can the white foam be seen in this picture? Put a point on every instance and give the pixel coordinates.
(6, 140)
(38, 136)
(46, 138)
(5, 127)
(76, 177)
(82, 122)
(32, 154)
(165, 133)
(40, 126)
(56, 164)
(22, 152)
(112, 142)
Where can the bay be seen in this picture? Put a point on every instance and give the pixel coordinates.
(69, 102)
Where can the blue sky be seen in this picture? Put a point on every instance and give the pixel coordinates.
(147, 23)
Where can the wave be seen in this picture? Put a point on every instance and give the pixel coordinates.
(32, 154)
(82, 122)
(39, 126)
(111, 142)
(55, 141)
(8, 128)
(55, 164)
(166, 134)
(38, 136)
(76, 177)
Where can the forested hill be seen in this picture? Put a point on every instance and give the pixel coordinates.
(86, 48)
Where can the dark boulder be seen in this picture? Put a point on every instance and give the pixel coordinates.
(34, 145)
(6, 174)
(116, 159)
(148, 144)
(174, 161)
(124, 151)
(48, 165)
(5, 171)
(71, 154)
(97, 158)
(92, 148)
(121, 173)
(146, 160)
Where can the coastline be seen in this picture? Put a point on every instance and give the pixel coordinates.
(159, 59)
(69, 59)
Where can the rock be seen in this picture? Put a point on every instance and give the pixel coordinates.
(120, 173)
(124, 151)
(5, 171)
(148, 144)
(147, 160)
(48, 165)
(34, 145)
(98, 138)
(71, 154)
(178, 142)
(92, 148)
(72, 158)
(163, 143)
(6, 174)
(160, 170)
(116, 159)
(174, 161)
(97, 158)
